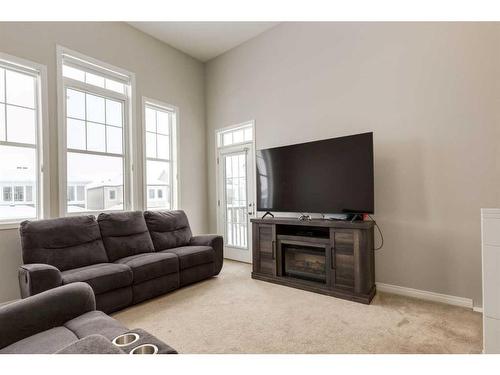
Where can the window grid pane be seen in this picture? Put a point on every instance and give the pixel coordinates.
(3, 134)
(2, 85)
(21, 125)
(73, 73)
(20, 89)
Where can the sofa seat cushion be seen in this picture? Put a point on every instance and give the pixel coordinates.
(101, 277)
(150, 266)
(191, 256)
(45, 342)
(95, 322)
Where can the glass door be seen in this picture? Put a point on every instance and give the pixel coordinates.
(235, 202)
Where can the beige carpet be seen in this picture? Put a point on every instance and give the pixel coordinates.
(233, 313)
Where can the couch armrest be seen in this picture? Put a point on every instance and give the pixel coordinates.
(44, 311)
(216, 242)
(35, 278)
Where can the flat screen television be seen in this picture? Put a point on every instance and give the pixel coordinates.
(331, 176)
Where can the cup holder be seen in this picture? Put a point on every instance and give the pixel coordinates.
(125, 339)
(145, 349)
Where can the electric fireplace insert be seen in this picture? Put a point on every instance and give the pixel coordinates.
(304, 262)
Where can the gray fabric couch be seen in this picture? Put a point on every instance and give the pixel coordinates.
(126, 257)
(52, 320)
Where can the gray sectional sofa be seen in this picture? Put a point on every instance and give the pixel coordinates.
(126, 257)
(62, 320)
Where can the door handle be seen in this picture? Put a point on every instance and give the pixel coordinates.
(252, 211)
(274, 249)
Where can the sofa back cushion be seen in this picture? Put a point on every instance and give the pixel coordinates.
(168, 229)
(124, 234)
(65, 243)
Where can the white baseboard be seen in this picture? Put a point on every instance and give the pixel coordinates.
(477, 309)
(423, 294)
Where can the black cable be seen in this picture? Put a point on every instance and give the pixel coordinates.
(381, 235)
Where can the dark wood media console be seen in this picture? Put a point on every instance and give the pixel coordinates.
(323, 256)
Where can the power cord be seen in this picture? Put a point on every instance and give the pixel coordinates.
(381, 235)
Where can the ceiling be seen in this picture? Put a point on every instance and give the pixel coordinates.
(203, 40)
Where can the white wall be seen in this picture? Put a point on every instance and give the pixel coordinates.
(429, 92)
(162, 73)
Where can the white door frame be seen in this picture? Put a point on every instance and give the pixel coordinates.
(219, 189)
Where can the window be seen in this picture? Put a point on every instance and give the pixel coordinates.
(21, 86)
(7, 194)
(234, 136)
(160, 128)
(96, 100)
(18, 193)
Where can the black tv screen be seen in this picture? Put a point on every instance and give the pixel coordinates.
(330, 176)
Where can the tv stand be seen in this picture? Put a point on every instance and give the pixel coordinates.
(319, 255)
(268, 213)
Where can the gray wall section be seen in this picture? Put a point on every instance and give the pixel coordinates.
(162, 73)
(429, 92)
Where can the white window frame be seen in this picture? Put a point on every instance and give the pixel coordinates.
(174, 147)
(42, 136)
(90, 64)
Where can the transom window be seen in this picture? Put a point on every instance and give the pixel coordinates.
(230, 137)
(160, 146)
(20, 134)
(93, 79)
(96, 102)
